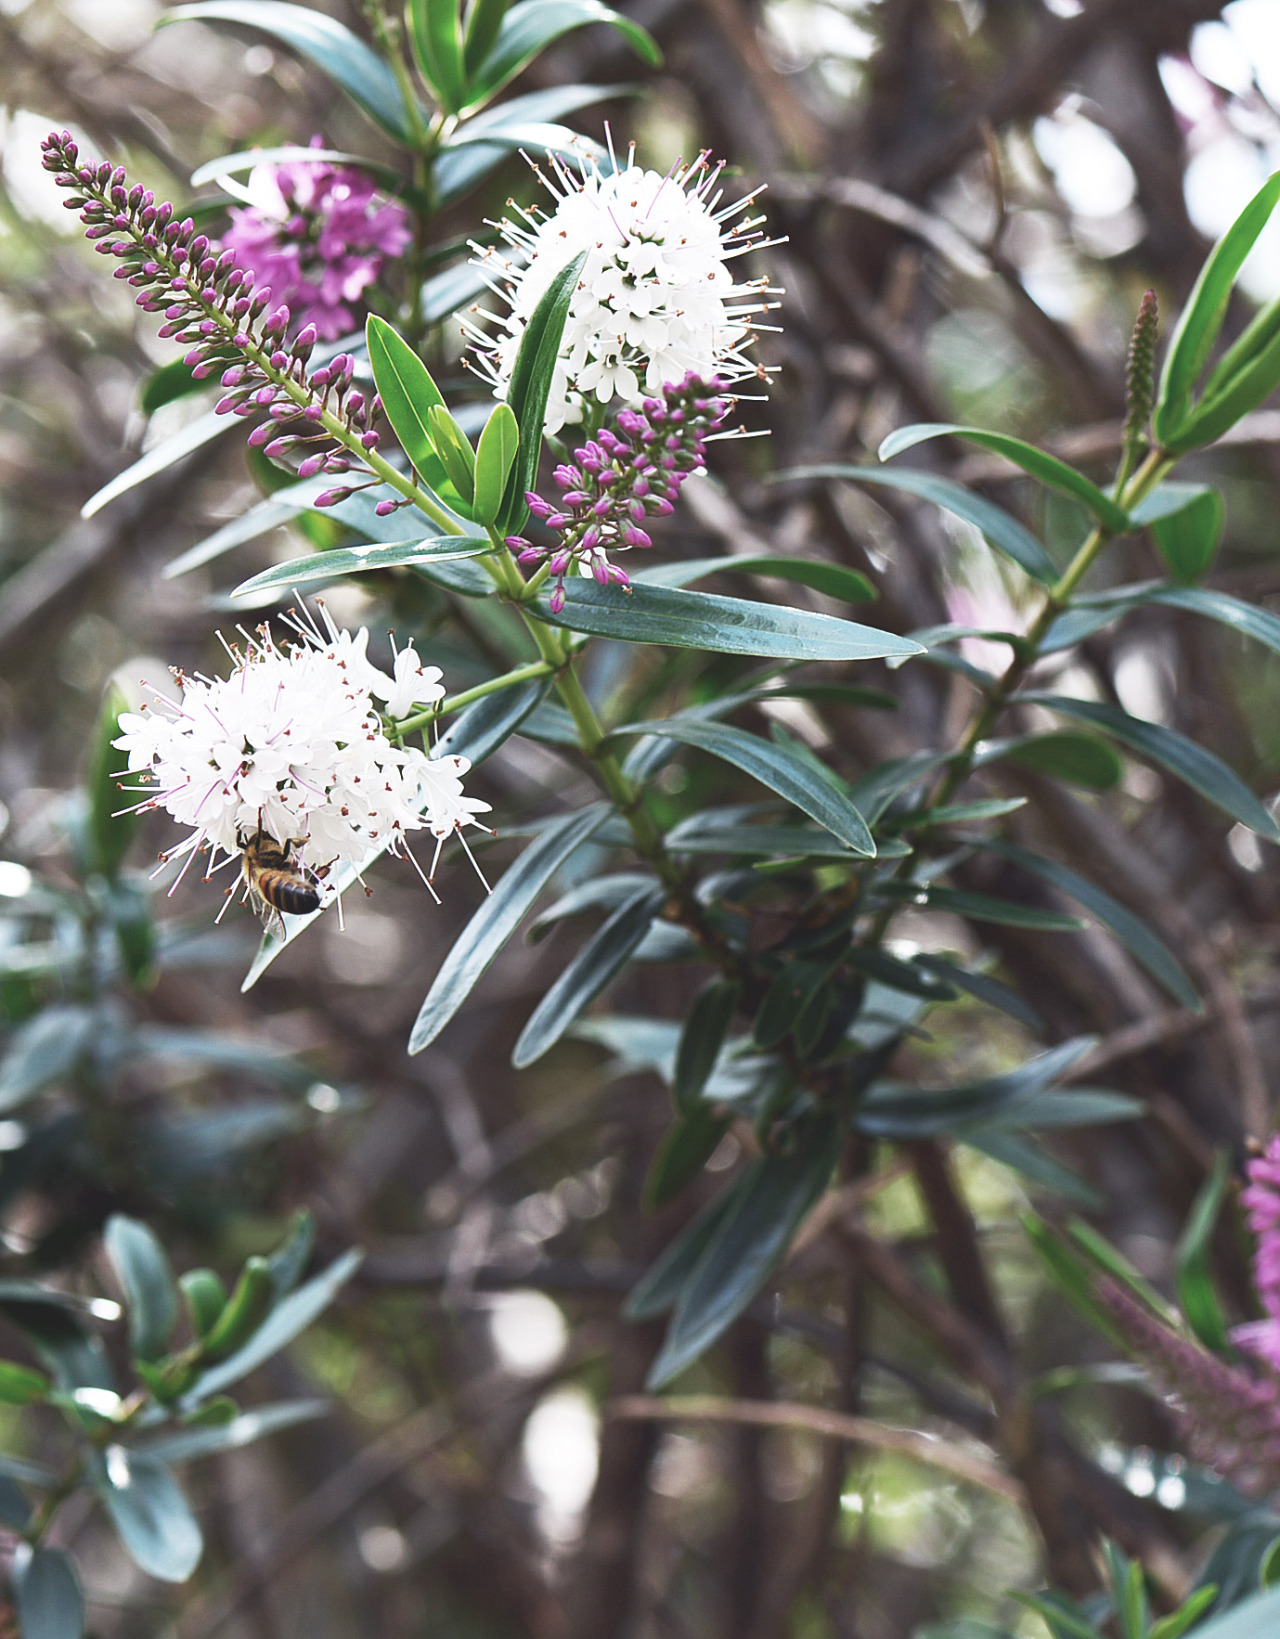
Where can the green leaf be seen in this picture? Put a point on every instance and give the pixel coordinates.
(980, 907)
(1138, 939)
(333, 48)
(603, 956)
(290, 153)
(997, 527)
(1048, 469)
(50, 1604)
(291, 1316)
(435, 28)
(832, 579)
(897, 974)
(532, 25)
(455, 452)
(659, 1289)
(151, 1516)
(775, 766)
(498, 918)
(166, 385)
(1193, 1279)
(20, 1385)
(478, 730)
(701, 620)
(686, 1147)
(206, 1299)
(288, 1263)
(1206, 307)
(1024, 1155)
(1080, 759)
(1177, 1622)
(495, 456)
(1188, 539)
(702, 836)
(251, 1298)
(770, 1201)
(15, 1507)
(110, 830)
(407, 391)
(43, 1051)
(702, 1036)
(785, 1001)
(1249, 1620)
(143, 1270)
(530, 387)
(1070, 1273)
(992, 991)
(1249, 386)
(362, 560)
(1190, 762)
(955, 813)
(195, 435)
(1062, 1616)
(241, 1430)
(484, 23)
(52, 1323)
(1245, 618)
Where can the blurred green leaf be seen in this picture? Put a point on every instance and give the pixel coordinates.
(531, 26)
(1249, 1620)
(1188, 539)
(480, 728)
(686, 1147)
(50, 1604)
(143, 1270)
(110, 829)
(15, 1507)
(206, 1299)
(43, 1051)
(151, 1516)
(251, 1299)
(170, 450)
(702, 1036)
(1193, 1278)
(288, 1263)
(239, 1431)
(436, 32)
(834, 580)
(992, 991)
(1080, 759)
(1024, 1155)
(659, 1289)
(166, 385)
(484, 23)
(979, 907)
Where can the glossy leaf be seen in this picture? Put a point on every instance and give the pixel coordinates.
(892, 971)
(238, 1431)
(495, 456)
(980, 907)
(998, 527)
(1193, 1278)
(531, 26)
(290, 1316)
(603, 956)
(834, 580)
(142, 1267)
(50, 1603)
(480, 728)
(1189, 539)
(686, 1147)
(498, 918)
(406, 388)
(770, 1201)
(151, 1516)
(1039, 464)
(322, 40)
(776, 766)
(992, 991)
(1080, 759)
(437, 45)
(362, 560)
(530, 386)
(1137, 938)
(455, 451)
(1190, 762)
(1201, 319)
(701, 620)
(484, 24)
(659, 1289)
(702, 1036)
(1246, 618)
(1251, 383)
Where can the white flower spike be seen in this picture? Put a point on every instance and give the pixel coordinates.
(656, 301)
(291, 744)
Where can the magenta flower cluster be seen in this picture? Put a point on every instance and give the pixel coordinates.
(229, 324)
(317, 236)
(1261, 1201)
(619, 480)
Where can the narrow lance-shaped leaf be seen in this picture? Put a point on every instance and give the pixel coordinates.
(363, 560)
(835, 580)
(484, 22)
(1039, 464)
(686, 1147)
(998, 528)
(437, 44)
(495, 456)
(701, 1038)
(777, 767)
(498, 918)
(1193, 1278)
(532, 25)
(405, 387)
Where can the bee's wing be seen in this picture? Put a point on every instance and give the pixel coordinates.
(267, 914)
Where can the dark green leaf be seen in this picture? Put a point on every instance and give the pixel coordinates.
(455, 451)
(1070, 1273)
(1080, 759)
(998, 528)
(1206, 307)
(956, 813)
(290, 1316)
(980, 907)
(143, 1270)
(1193, 1278)
(166, 385)
(206, 1299)
(701, 620)
(873, 792)
(898, 975)
(832, 579)
(362, 560)
(52, 1324)
(50, 1604)
(603, 956)
(484, 23)
(530, 387)
(532, 25)
(898, 1110)
(659, 1289)
(44, 1051)
(150, 1514)
(1129, 929)
(765, 841)
(333, 48)
(435, 28)
(495, 456)
(992, 991)
(770, 1201)
(1165, 500)
(1245, 618)
(480, 728)
(1024, 1155)
(241, 1430)
(703, 1035)
(498, 918)
(407, 391)
(1190, 762)
(288, 1263)
(127, 904)
(1062, 1616)
(785, 1001)
(1048, 469)
(600, 892)
(1188, 540)
(686, 1147)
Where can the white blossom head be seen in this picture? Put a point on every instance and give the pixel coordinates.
(292, 745)
(657, 299)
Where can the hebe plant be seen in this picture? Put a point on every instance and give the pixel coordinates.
(782, 910)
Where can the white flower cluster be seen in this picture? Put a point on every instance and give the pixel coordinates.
(291, 744)
(656, 299)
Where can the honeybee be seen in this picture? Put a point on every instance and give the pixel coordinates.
(275, 881)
